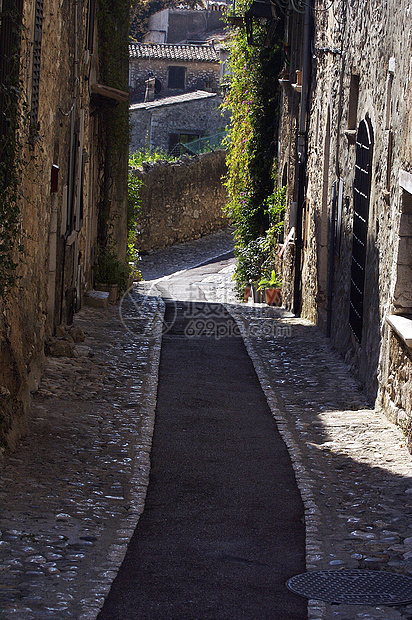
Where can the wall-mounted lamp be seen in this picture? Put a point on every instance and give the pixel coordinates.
(263, 13)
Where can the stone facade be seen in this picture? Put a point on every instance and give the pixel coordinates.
(345, 149)
(175, 25)
(61, 191)
(181, 200)
(199, 65)
(175, 94)
(156, 123)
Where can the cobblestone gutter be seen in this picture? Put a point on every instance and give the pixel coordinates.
(72, 494)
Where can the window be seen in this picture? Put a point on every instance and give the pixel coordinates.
(90, 25)
(388, 97)
(350, 132)
(177, 141)
(353, 101)
(35, 86)
(401, 320)
(177, 77)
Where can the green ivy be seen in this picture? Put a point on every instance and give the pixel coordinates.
(13, 122)
(110, 270)
(253, 99)
(133, 209)
(113, 18)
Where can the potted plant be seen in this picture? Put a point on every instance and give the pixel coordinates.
(250, 259)
(272, 287)
(111, 274)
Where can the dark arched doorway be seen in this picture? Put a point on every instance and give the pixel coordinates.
(361, 199)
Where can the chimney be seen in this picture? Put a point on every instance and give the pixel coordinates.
(150, 89)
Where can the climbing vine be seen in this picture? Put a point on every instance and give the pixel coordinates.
(12, 156)
(253, 100)
(133, 209)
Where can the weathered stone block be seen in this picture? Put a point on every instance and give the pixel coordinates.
(405, 251)
(405, 226)
(97, 299)
(402, 297)
(57, 347)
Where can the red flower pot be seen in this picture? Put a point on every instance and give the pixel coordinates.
(273, 296)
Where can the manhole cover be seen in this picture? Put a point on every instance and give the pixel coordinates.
(353, 587)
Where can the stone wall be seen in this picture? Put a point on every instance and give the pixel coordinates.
(395, 395)
(189, 23)
(360, 76)
(59, 219)
(199, 76)
(181, 200)
(152, 123)
(174, 25)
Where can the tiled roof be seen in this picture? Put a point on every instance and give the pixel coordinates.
(171, 51)
(184, 98)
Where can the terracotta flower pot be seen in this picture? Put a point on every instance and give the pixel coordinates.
(247, 293)
(273, 296)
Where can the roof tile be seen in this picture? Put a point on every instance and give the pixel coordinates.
(169, 51)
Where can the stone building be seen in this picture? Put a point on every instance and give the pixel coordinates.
(167, 122)
(65, 173)
(175, 89)
(175, 68)
(183, 25)
(345, 154)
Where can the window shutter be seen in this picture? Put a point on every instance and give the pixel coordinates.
(35, 88)
(10, 21)
(361, 197)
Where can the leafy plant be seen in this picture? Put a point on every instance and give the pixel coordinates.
(275, 281)
(133, 208)
(110, 270)
(250, 260)
(275, 205)
(149, 154)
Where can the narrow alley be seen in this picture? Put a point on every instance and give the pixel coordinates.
(73, 492)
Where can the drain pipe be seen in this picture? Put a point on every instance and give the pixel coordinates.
(302, 152)
(71, 167)
(331, 262)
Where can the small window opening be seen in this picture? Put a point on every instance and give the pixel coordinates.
(176, 78)
(353, 101)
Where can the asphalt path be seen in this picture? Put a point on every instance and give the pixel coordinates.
(223, 525)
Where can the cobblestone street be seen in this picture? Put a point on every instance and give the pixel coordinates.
(71, 495)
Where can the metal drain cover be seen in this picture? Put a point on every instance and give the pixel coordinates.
(353, 587)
